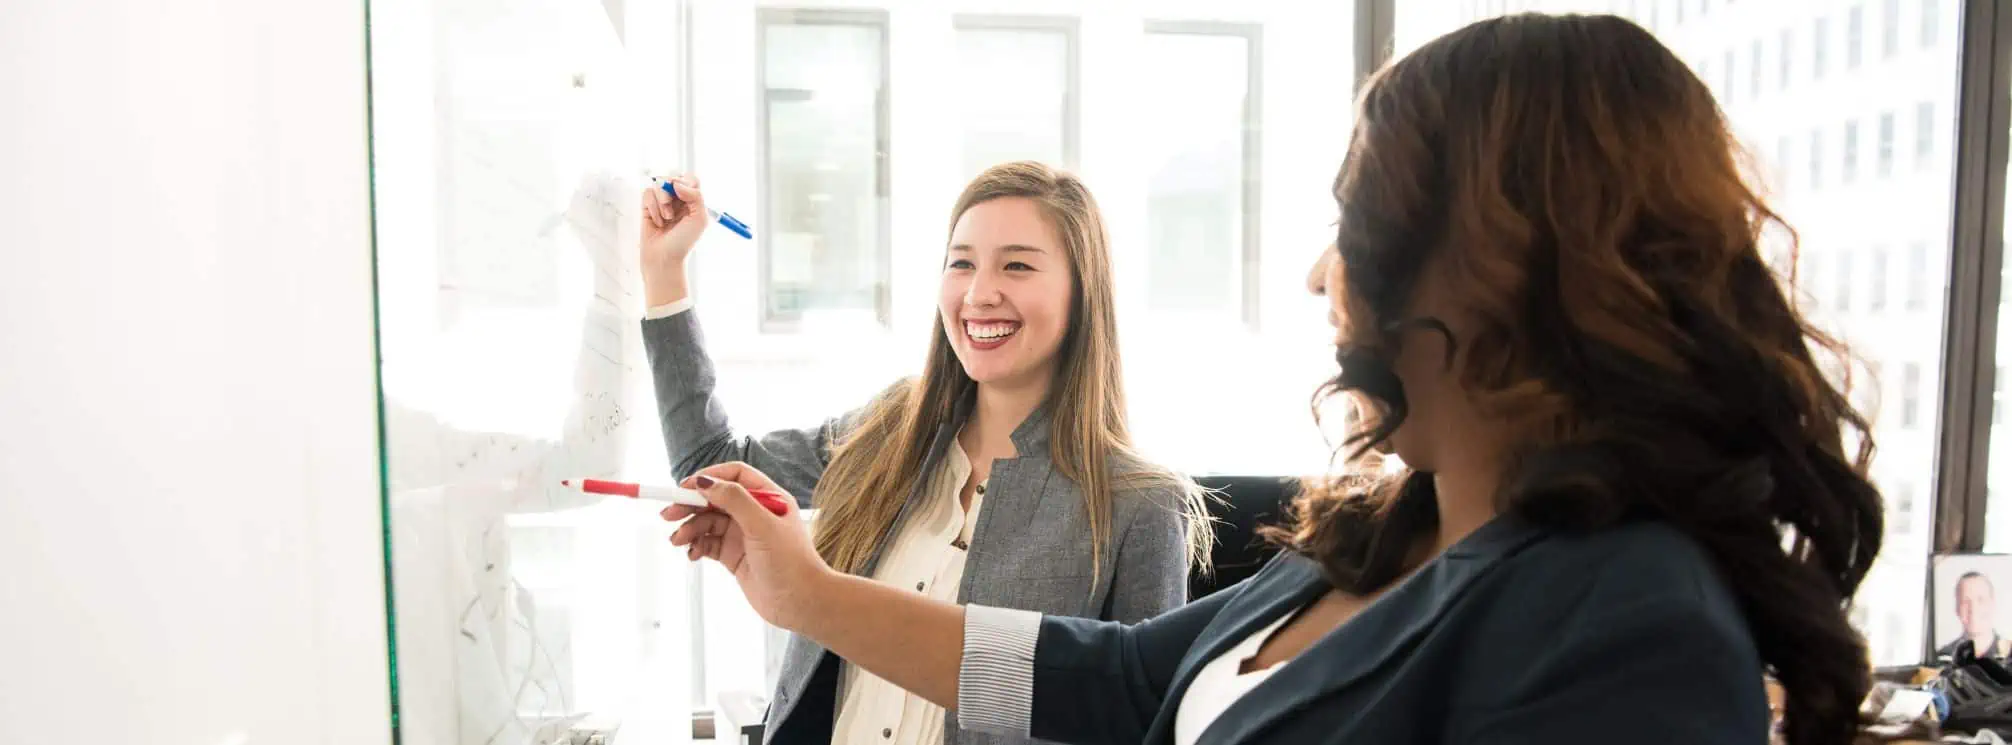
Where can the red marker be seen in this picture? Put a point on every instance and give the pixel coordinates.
(774, 501)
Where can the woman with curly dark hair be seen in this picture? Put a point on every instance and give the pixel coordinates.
(1627, 497)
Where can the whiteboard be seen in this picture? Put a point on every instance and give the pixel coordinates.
(506, 159)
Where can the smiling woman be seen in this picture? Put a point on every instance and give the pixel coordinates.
(1019, 412)
(1006, 291)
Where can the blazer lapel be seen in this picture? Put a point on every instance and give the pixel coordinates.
(1288, 585)
(1383, 631)
(939, 446)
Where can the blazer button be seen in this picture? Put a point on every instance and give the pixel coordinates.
(886, 733)
(918, 587)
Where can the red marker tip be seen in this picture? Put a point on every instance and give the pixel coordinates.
(565, 482)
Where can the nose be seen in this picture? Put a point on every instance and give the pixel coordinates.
(1316, 278)
(983, 292)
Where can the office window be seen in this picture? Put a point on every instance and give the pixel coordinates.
(1924, 133)
(1755, 73)
(1199, 204)
(1787, 57)
(1845, 279)
(1917, 275)
(1889, 30)
(1782, 148)
(1016, 91)
(1854, 37)
(1819, 40)
(824, 235)
(1850, 170)
(1885, 162)
(1931, 19)
(1876, 302)
(1815, 158)
(1901, 512)
(1910, 395)
(1729, 87)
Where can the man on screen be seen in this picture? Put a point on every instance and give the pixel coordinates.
(1977, 608)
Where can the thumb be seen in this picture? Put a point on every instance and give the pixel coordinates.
(735, 500)
(687, 193)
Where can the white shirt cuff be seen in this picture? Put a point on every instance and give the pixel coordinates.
(668, 309)
(995, 682)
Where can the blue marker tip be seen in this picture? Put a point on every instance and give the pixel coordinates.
(728, 221)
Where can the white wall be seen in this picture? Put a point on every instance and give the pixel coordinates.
(189, 500)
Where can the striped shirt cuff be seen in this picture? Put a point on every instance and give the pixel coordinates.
(668, 309)
(995, 683)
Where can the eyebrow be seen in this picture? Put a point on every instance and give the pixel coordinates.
(1009, 248)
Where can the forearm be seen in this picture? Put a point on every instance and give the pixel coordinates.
(665, 286)
(904, 638)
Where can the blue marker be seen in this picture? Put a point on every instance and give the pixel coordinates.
(740, 228)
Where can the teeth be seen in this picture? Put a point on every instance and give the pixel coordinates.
(990, 331)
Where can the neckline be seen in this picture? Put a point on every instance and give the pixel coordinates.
(1253, 644)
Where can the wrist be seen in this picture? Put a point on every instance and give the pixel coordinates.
(824, 589)
(665, 286)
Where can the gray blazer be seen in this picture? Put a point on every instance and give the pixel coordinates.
(1030, 549)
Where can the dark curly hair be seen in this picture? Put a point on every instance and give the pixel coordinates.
(1579, 191)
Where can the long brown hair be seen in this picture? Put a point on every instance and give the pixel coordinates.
(875, 467)
(1577, 189)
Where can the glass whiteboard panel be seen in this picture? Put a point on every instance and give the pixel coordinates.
(507, 153)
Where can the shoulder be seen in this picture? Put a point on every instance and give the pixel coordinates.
(1140, 486)
(1660, 558)
(1644, 573)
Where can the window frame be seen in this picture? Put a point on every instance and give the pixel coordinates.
(1977, 225)
(1071, 28)
(879, 19)
(1249, 262)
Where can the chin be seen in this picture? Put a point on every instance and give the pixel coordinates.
(987, 375)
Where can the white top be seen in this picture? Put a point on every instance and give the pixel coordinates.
(667, 309)
(927, 557)
(1219, 685)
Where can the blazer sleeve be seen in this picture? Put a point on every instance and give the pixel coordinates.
(1150, 575)
(1073, 680)
(696, 431)
(1658, 670)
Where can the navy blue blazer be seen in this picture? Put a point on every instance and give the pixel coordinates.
(1515, 635)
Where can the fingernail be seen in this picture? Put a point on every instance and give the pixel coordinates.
(704, 481)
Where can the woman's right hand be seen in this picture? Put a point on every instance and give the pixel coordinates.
(671, 227)
(770, 556)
